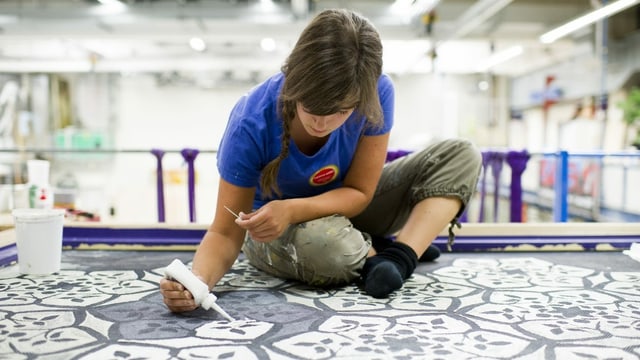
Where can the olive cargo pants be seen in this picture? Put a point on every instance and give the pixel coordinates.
(331, 250)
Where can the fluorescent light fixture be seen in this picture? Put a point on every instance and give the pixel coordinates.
(267, 5)
(399, 6)
(110, 2)
(40, 66)
(109, 7)
(476, 15)
(500, 57)
(578, 23)
(411, 8)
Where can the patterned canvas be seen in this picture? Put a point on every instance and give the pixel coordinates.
(106, 305)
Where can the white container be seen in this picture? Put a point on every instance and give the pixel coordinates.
(39, 240)
(40, 194)
(200, 291)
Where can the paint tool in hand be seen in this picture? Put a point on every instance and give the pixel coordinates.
(200, 291)
(232, 213)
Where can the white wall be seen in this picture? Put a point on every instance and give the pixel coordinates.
(146, 115)
(169, 118)
(444, 106)
(175, 117)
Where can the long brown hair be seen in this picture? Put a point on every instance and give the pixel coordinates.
(334, 65)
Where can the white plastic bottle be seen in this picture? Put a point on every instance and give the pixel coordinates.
(200, 291)
(40, 192)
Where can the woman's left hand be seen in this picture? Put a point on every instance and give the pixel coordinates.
(267, 223)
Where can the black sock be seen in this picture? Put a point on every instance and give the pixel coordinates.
(386, 272)
(382, 242)
(432, 253)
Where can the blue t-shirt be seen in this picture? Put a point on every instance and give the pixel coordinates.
(252, 139)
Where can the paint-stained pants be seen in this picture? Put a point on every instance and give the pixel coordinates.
(331, 250)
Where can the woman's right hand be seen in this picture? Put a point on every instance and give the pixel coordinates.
(267, 223)
(176, 296)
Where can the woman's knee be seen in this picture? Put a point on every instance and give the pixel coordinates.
(460, 151)
(448, 168)
(469, 153)
(330, 251)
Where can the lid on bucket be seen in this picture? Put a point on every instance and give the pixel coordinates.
(36, 214)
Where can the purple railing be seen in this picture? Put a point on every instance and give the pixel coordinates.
(493, 165)
(493, 162)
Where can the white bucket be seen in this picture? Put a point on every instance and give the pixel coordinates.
(39, 240)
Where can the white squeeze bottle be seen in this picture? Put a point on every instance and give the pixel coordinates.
(40, 193)
(200, 291)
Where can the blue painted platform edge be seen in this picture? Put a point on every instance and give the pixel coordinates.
(493, 243)
(77, 236)
(74, 237)
(8, 255)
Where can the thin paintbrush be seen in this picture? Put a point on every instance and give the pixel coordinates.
(232, 213)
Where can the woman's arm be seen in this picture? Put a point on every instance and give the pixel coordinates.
(218, 249)
(221, 244)
(359, 186)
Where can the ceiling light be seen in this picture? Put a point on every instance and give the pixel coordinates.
(500, 57)
(476, 15)
(197, 44)
(111, 2)
(109, 7)
(400, 6)
(267, 5)
(268, 44)
(573, 25)
(45, 66)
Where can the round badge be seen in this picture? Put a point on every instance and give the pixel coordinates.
(323, 176)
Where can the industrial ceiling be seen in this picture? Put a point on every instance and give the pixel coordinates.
(154, 35)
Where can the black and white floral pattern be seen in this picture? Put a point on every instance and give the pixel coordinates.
(472, 307)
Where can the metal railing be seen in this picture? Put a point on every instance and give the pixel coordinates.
(494, 161)
(493, 164)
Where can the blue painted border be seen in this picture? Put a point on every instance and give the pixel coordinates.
(74, 237)
(496, 242)
(77, 236)
(8, 255)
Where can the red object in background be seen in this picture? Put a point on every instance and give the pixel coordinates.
(547, 100)
(583, 176)
(79, 215)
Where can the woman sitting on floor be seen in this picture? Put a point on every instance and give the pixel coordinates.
(303, 162)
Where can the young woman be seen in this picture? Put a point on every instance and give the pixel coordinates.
(302, 161)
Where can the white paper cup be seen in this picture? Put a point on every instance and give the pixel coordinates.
(39, 240)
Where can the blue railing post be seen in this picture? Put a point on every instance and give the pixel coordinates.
(561, 188)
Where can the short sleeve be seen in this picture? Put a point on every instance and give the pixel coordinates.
(238, 163)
